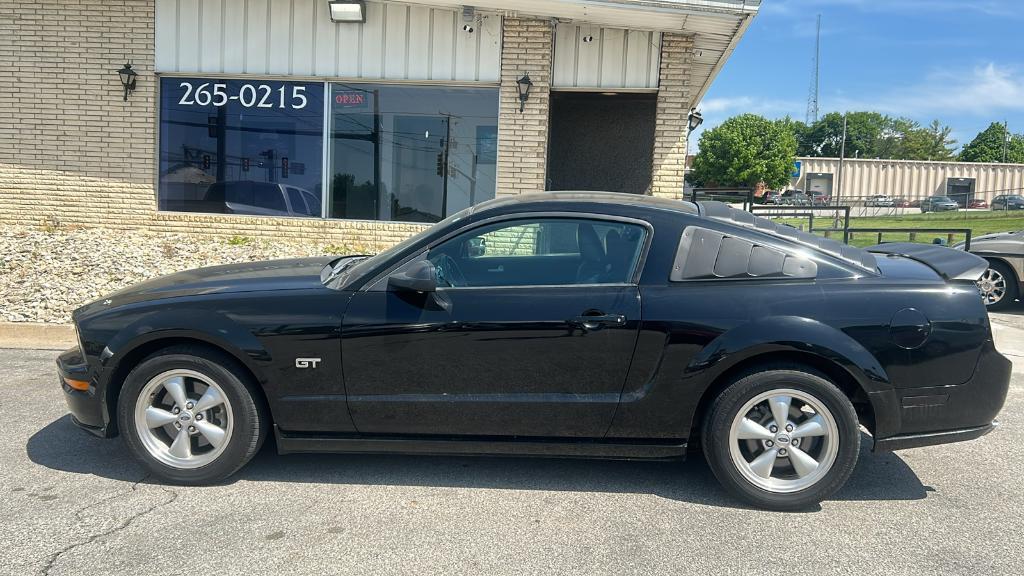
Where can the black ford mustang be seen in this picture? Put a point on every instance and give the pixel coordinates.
(568, 324)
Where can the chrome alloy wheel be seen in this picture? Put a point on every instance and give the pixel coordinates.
(993, 286)
(784, 440)
(183, 419)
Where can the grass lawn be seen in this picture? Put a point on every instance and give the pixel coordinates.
(979, 223)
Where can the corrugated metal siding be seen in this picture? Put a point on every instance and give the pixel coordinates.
(617, 58)
(297, 37)
(915, 180)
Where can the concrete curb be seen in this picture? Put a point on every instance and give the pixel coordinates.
(36, 336)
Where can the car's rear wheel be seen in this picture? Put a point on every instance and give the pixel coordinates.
(998, 286)
(189, 415)
(782, 439)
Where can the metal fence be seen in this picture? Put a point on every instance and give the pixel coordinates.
(840, 224)
(837, 217)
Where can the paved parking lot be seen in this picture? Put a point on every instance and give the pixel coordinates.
(74, 504)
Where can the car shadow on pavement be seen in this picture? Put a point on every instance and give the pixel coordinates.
(878, 476)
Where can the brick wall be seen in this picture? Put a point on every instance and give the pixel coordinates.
(674, 102)
(523, 136)
(70, 148)
(357, 235)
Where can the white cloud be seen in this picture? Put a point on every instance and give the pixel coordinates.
(982, 91)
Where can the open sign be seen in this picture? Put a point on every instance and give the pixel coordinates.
(350, 99)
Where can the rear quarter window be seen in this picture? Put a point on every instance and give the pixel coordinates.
(705, 254)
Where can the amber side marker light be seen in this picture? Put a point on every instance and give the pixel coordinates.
(77, 384)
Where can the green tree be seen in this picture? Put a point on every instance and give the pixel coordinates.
(989, 144)
(874, 135)
(743, 151)
(865, 133)
(927, 143)
(802, 133)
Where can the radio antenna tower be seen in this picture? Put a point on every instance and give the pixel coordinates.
(812, 92)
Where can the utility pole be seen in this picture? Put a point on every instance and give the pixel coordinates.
(842, 156)
(1006, 138)
(812, 96)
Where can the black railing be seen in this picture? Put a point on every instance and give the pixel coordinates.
(847, 231)
(911, 232)
(839, 217)
(809, 213)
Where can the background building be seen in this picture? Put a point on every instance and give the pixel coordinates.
(909, 179)
(266, 117)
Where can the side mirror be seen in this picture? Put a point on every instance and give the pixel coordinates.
(420, 276)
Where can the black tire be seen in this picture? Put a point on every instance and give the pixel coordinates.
(748, 385)
(1012, 286)
(250, 424)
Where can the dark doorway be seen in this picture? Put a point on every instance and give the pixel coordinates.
(961, 190)
(601, 141)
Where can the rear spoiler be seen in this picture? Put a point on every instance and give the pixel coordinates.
(949, 263)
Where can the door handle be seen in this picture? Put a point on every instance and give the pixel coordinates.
(598, 321)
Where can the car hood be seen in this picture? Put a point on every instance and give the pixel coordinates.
(293, 274)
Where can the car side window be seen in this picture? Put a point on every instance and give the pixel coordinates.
(313, 201)
(541, 252)
(298, 203)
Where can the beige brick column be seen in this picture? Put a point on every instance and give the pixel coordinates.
(674, 102)
(523, 136)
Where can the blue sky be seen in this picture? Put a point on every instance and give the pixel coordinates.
(960, 61)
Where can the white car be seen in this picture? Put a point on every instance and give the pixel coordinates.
(881, 201)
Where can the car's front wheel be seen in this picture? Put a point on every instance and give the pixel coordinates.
(998, 286)
(189, 415)
(782, 439)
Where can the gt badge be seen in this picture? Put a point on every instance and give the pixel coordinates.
(307, 362)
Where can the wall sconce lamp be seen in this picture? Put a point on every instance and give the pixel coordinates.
(694, 119)
(523, 85)
(128, 78)
(351, 11)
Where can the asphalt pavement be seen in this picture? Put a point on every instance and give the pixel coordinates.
(75, 504)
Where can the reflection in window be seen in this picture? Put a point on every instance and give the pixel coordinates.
(542, 252)
(240, 146)
(410, 153)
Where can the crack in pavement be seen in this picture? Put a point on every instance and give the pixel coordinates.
(52, 560)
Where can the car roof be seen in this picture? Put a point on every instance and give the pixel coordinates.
(617, 198)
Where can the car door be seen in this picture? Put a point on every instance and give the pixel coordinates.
(530, 333)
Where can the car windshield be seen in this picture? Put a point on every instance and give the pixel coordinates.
(941, 199)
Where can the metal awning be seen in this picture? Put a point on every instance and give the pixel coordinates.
(716, 25)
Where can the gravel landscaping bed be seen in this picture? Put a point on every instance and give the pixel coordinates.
(45, 274)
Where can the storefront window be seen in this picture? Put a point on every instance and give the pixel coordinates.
(241, 146)
(410, 153)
